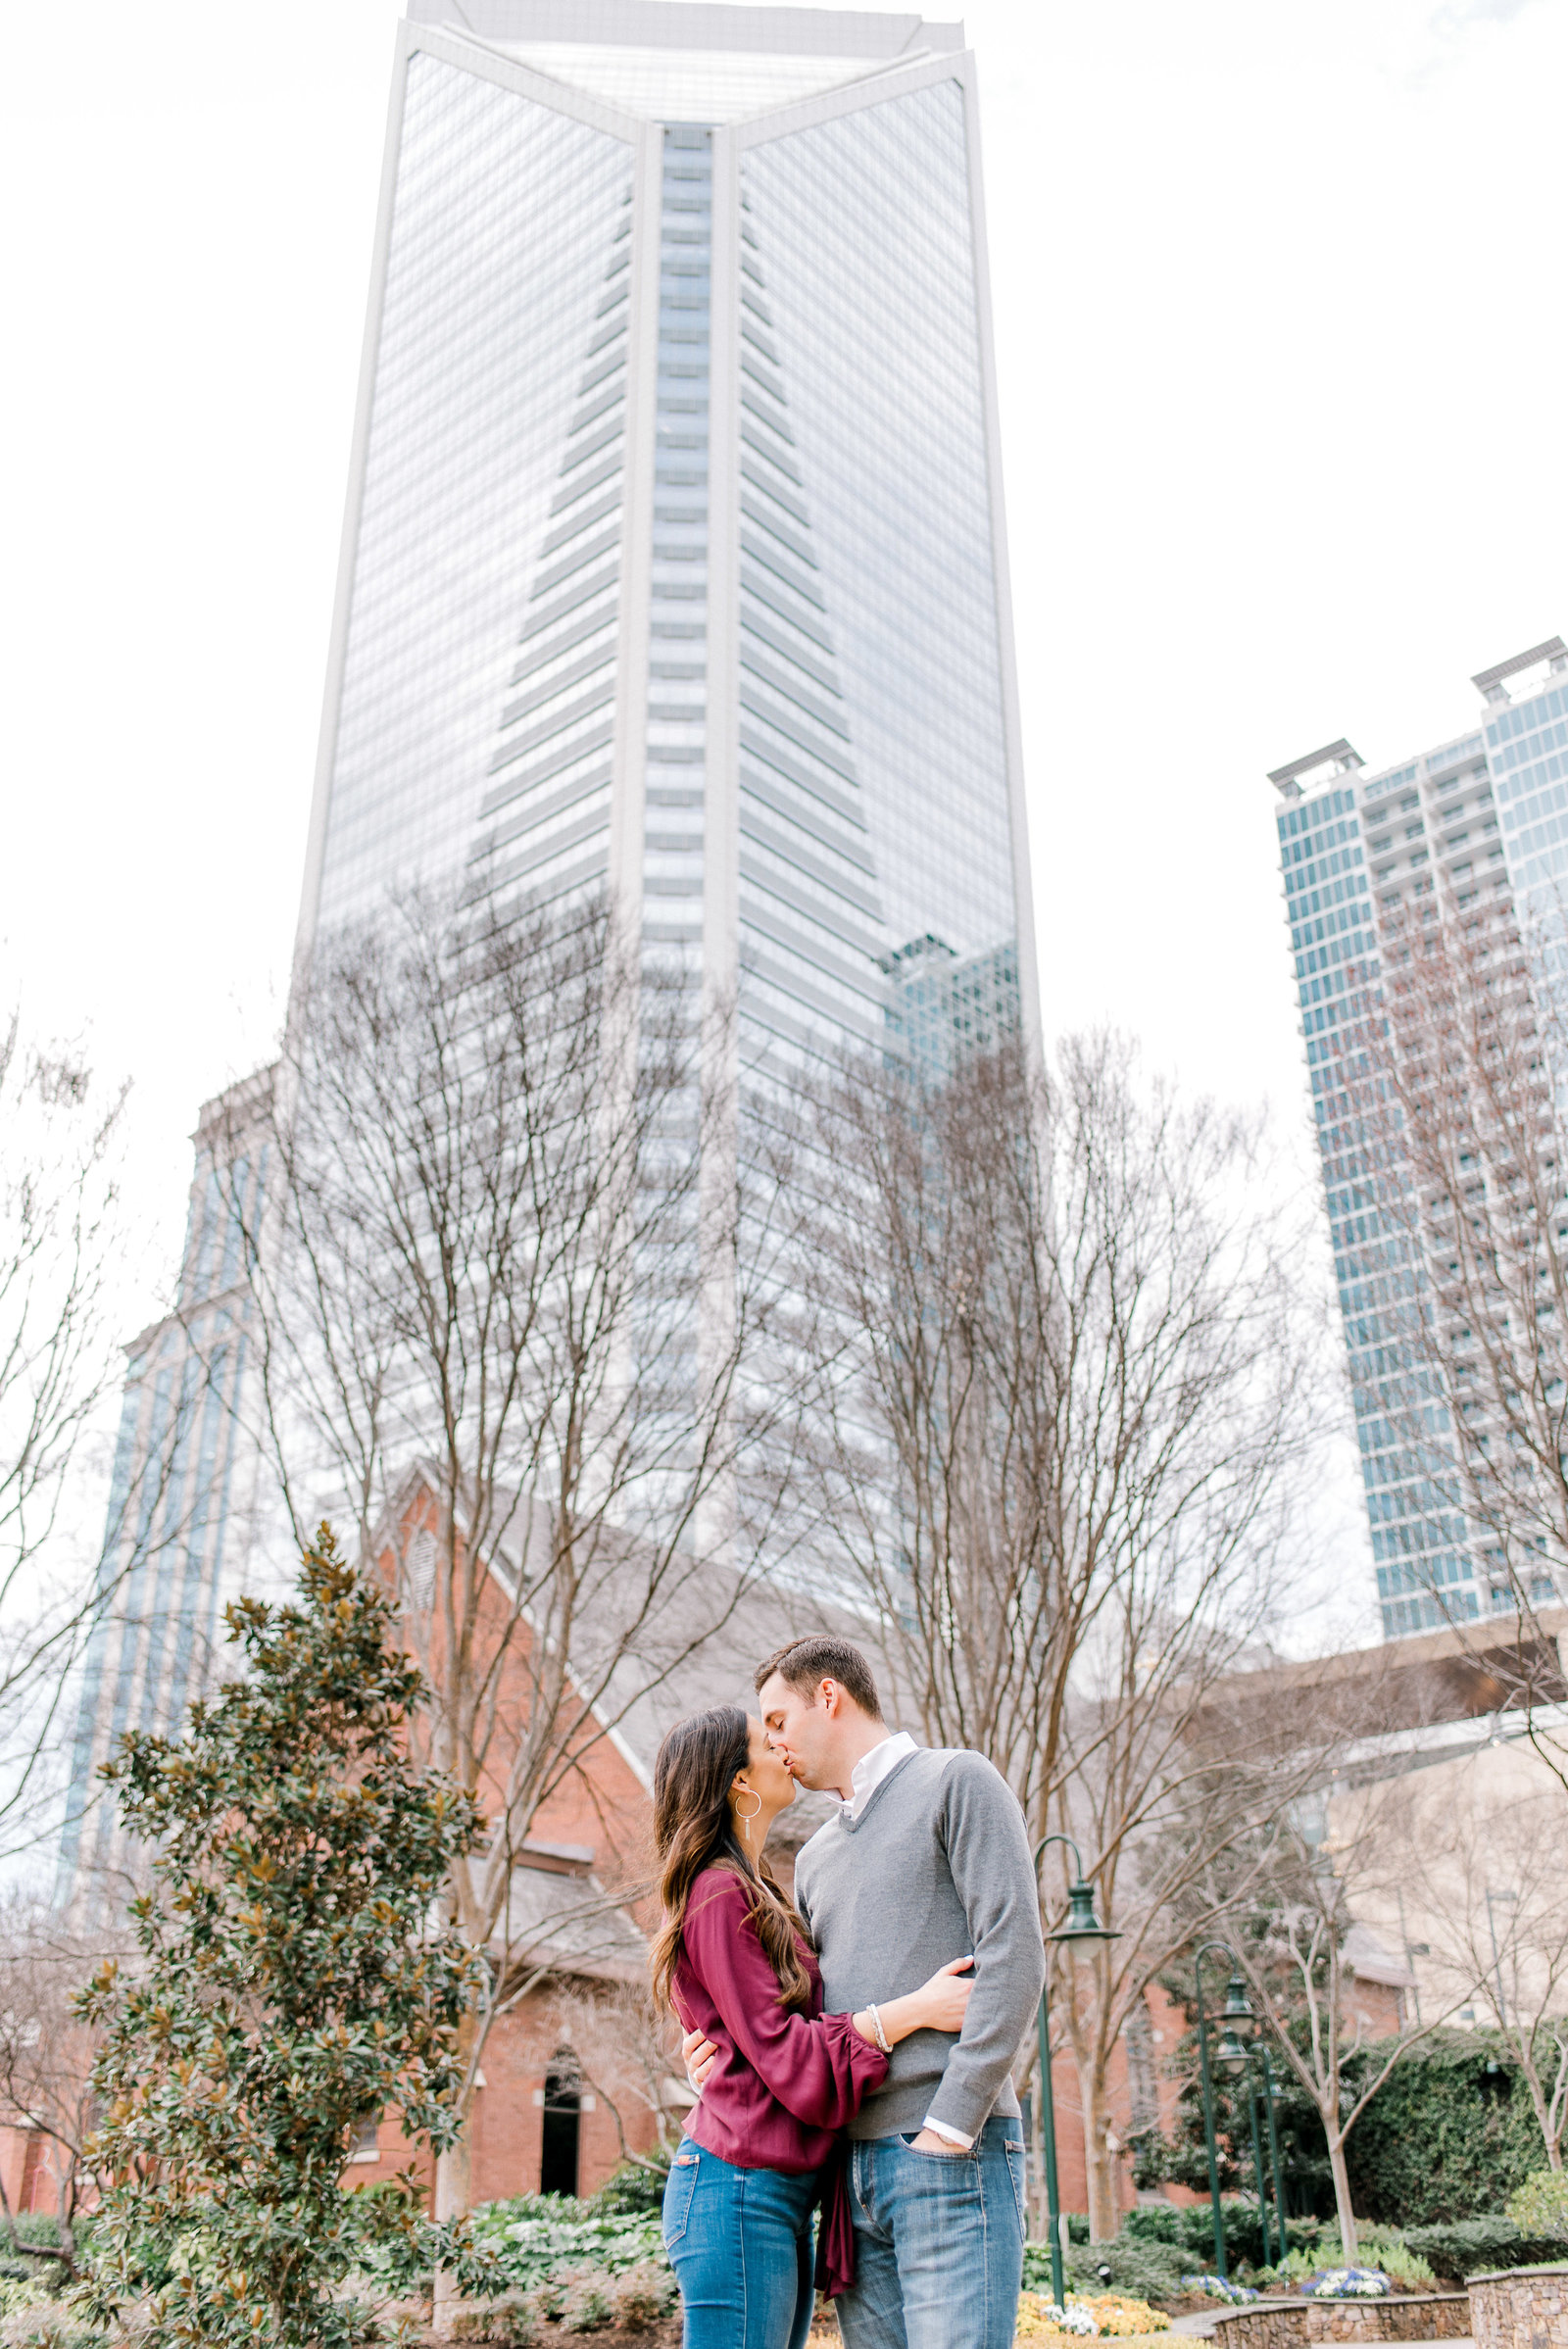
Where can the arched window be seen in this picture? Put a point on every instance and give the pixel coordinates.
(557, 2166)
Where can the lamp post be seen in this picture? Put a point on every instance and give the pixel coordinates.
(1230, 2057)
(1270, 2092)
(1252, 2095)
(1082, 1928)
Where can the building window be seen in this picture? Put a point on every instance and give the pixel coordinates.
(558, 2163)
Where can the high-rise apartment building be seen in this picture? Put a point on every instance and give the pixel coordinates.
(1484, 820)
(674, 561)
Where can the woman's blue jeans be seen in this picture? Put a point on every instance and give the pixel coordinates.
(741, 2244)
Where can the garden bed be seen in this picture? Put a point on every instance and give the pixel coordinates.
(1520, 2308)
(1289, 2322)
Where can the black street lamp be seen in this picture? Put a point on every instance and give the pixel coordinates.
(1230, 2058)
(1252, 2094)
(1270, 2096)
(1081, 1930)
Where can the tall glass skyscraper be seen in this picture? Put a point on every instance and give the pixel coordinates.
(1484, 819)
(674, 567)
(674, 561)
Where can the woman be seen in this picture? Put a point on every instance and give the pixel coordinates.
(733, 1959)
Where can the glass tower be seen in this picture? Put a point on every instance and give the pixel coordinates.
(674, 567)
(181, 1491)
(1484, 819)
(675, 561)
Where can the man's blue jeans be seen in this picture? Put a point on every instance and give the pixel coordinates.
(741, 2244)
(938, 2243)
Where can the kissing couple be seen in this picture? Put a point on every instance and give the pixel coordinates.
(852, 2048)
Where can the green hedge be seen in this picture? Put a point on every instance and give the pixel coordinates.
(1191, 2229)
(1471, 2246)
(1449, 2137)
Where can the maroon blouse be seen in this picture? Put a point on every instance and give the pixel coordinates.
(785, 2084)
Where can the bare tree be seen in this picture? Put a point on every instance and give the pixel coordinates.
(628, 2053)
(1462, 1105)
(1300, 1958)
(1063, 1389)
(46, 2057)
(59, 1230)
(1178, 1771)
(499, 1216)
(1483, 1883)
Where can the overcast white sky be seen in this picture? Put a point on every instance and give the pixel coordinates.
(1282, 359)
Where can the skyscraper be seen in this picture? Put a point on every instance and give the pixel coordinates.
(674, 557)
(182, 1486)
(673, 564)
(1484, 819)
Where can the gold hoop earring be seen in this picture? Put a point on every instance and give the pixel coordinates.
(742, 1819)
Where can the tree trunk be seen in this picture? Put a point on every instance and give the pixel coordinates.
(1538, 2098)
(1100, 2160)
(453, 2183)
(1341, 2193)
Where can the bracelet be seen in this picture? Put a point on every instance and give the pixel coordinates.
(878, 2033)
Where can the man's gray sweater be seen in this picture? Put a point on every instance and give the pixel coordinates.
(936, 1866)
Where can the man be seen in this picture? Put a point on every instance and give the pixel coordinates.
(925, 1861)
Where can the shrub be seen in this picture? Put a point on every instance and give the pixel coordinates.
(642, 2294)
(637, 2188)
(1540, 2207)
(1470, 2246)
(1142, 2269)
(507, 2320)
(1191, 2228)
(1449, 2134)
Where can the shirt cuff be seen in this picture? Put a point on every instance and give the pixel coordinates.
(953, 2137)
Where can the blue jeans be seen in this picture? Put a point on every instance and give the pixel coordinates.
(938, 2243)
(741, 2244)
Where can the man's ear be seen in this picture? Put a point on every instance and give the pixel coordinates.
(831, 1696)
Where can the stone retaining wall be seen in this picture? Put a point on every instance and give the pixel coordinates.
(1520, 2308)
(1292, 2324)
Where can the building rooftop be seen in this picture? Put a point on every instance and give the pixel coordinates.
(692, 60)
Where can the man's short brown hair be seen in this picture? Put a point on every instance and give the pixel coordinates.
(804, 1663)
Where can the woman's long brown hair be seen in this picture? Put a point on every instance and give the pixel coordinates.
(693, 1829)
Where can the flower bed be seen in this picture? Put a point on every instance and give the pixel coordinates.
(1107, 2316)
(1345, 2283)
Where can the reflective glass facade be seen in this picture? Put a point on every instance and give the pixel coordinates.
(1481, 820)
(181, 1484)
(675, 762)
(486, 546)
(646, 316)
(487, 720)
(861, 233)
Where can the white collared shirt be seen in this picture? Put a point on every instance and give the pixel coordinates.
(872, 1768)
(869, 1771)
